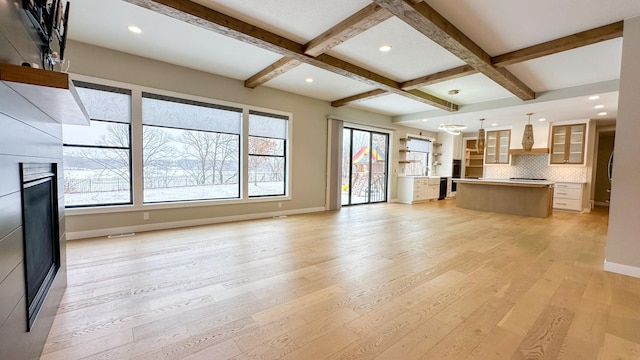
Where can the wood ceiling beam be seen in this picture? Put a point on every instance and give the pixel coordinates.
(584, 38)
(565, 43)
(359, 97)
(207, 18)
(272, 71)
(369, 16)
(430, 23)
(438, 77)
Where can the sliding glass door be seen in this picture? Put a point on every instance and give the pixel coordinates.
(364, 166)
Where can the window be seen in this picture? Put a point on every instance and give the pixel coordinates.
(418, 157)
(191, 150)
(97, 158)
(267, 154)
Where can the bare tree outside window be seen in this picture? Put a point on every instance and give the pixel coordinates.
(267, 154)
(200, 155)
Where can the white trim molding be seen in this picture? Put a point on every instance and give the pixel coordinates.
(75, 235)
(622, 269)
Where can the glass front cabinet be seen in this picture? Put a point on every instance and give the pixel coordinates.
(497, 147)
(567, 144)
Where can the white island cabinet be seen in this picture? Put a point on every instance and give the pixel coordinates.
(413, 189)
(568, 196)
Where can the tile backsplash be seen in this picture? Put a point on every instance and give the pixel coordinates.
(536, 166)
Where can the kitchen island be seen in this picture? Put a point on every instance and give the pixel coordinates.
(518, 197)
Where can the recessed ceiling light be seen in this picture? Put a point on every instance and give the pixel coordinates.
(542, 119)
(594, 97)
(602, 113)
(384, 48)
(309, 80)
(134, 29)
(598, 106)
(425, 120)
(494, 124)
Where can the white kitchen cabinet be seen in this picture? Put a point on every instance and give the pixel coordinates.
(413, 189)
(568, 196)
(433, 191)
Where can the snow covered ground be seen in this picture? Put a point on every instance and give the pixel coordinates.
(203, 192)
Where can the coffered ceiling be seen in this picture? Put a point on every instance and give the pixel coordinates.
(507, 58)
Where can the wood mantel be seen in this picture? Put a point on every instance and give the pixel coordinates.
(50, 91)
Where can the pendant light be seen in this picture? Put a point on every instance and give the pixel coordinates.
(480, 140)
(527, 136)
(453, 129)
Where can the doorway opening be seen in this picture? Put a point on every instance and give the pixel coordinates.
(604, 167)
(364, 166)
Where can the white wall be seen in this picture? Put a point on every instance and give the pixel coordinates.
(623, 239)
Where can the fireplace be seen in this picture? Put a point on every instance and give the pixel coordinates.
(40, 230)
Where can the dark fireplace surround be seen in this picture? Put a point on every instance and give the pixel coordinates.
(40, 233)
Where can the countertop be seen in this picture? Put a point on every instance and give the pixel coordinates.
(420, 176)
(506, 182)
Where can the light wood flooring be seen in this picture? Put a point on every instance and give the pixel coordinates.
(385, 281)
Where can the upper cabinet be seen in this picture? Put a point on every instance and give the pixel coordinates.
(497, 147)
(567, 144)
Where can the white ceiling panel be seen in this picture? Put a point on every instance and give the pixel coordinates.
(473, 88)
(412, 54)
(597, 62)
(500, 26)
(297, 20)
(392, 105)
(325, 86)
(105, 24)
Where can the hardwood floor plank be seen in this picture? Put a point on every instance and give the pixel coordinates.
(499, 344)
(330, 342)
(225, 350)
(417, 342)
(382, 338)
(383, 281)
(545, 338)
(469, 331)
(619, 349)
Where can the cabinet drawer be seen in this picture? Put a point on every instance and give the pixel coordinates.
(567, 204)
(568, 193)
(564, 186)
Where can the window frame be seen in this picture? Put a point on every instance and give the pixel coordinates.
(284, 156)
(427, 168)
(119, 90)
(179, 100)
(137, 157)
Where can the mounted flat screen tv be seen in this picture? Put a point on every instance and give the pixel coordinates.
(49, 18)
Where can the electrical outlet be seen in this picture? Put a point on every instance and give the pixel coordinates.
(145, 216)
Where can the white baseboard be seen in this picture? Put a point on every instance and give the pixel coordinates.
(184, 223)
(622, 269)
(602, 203)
